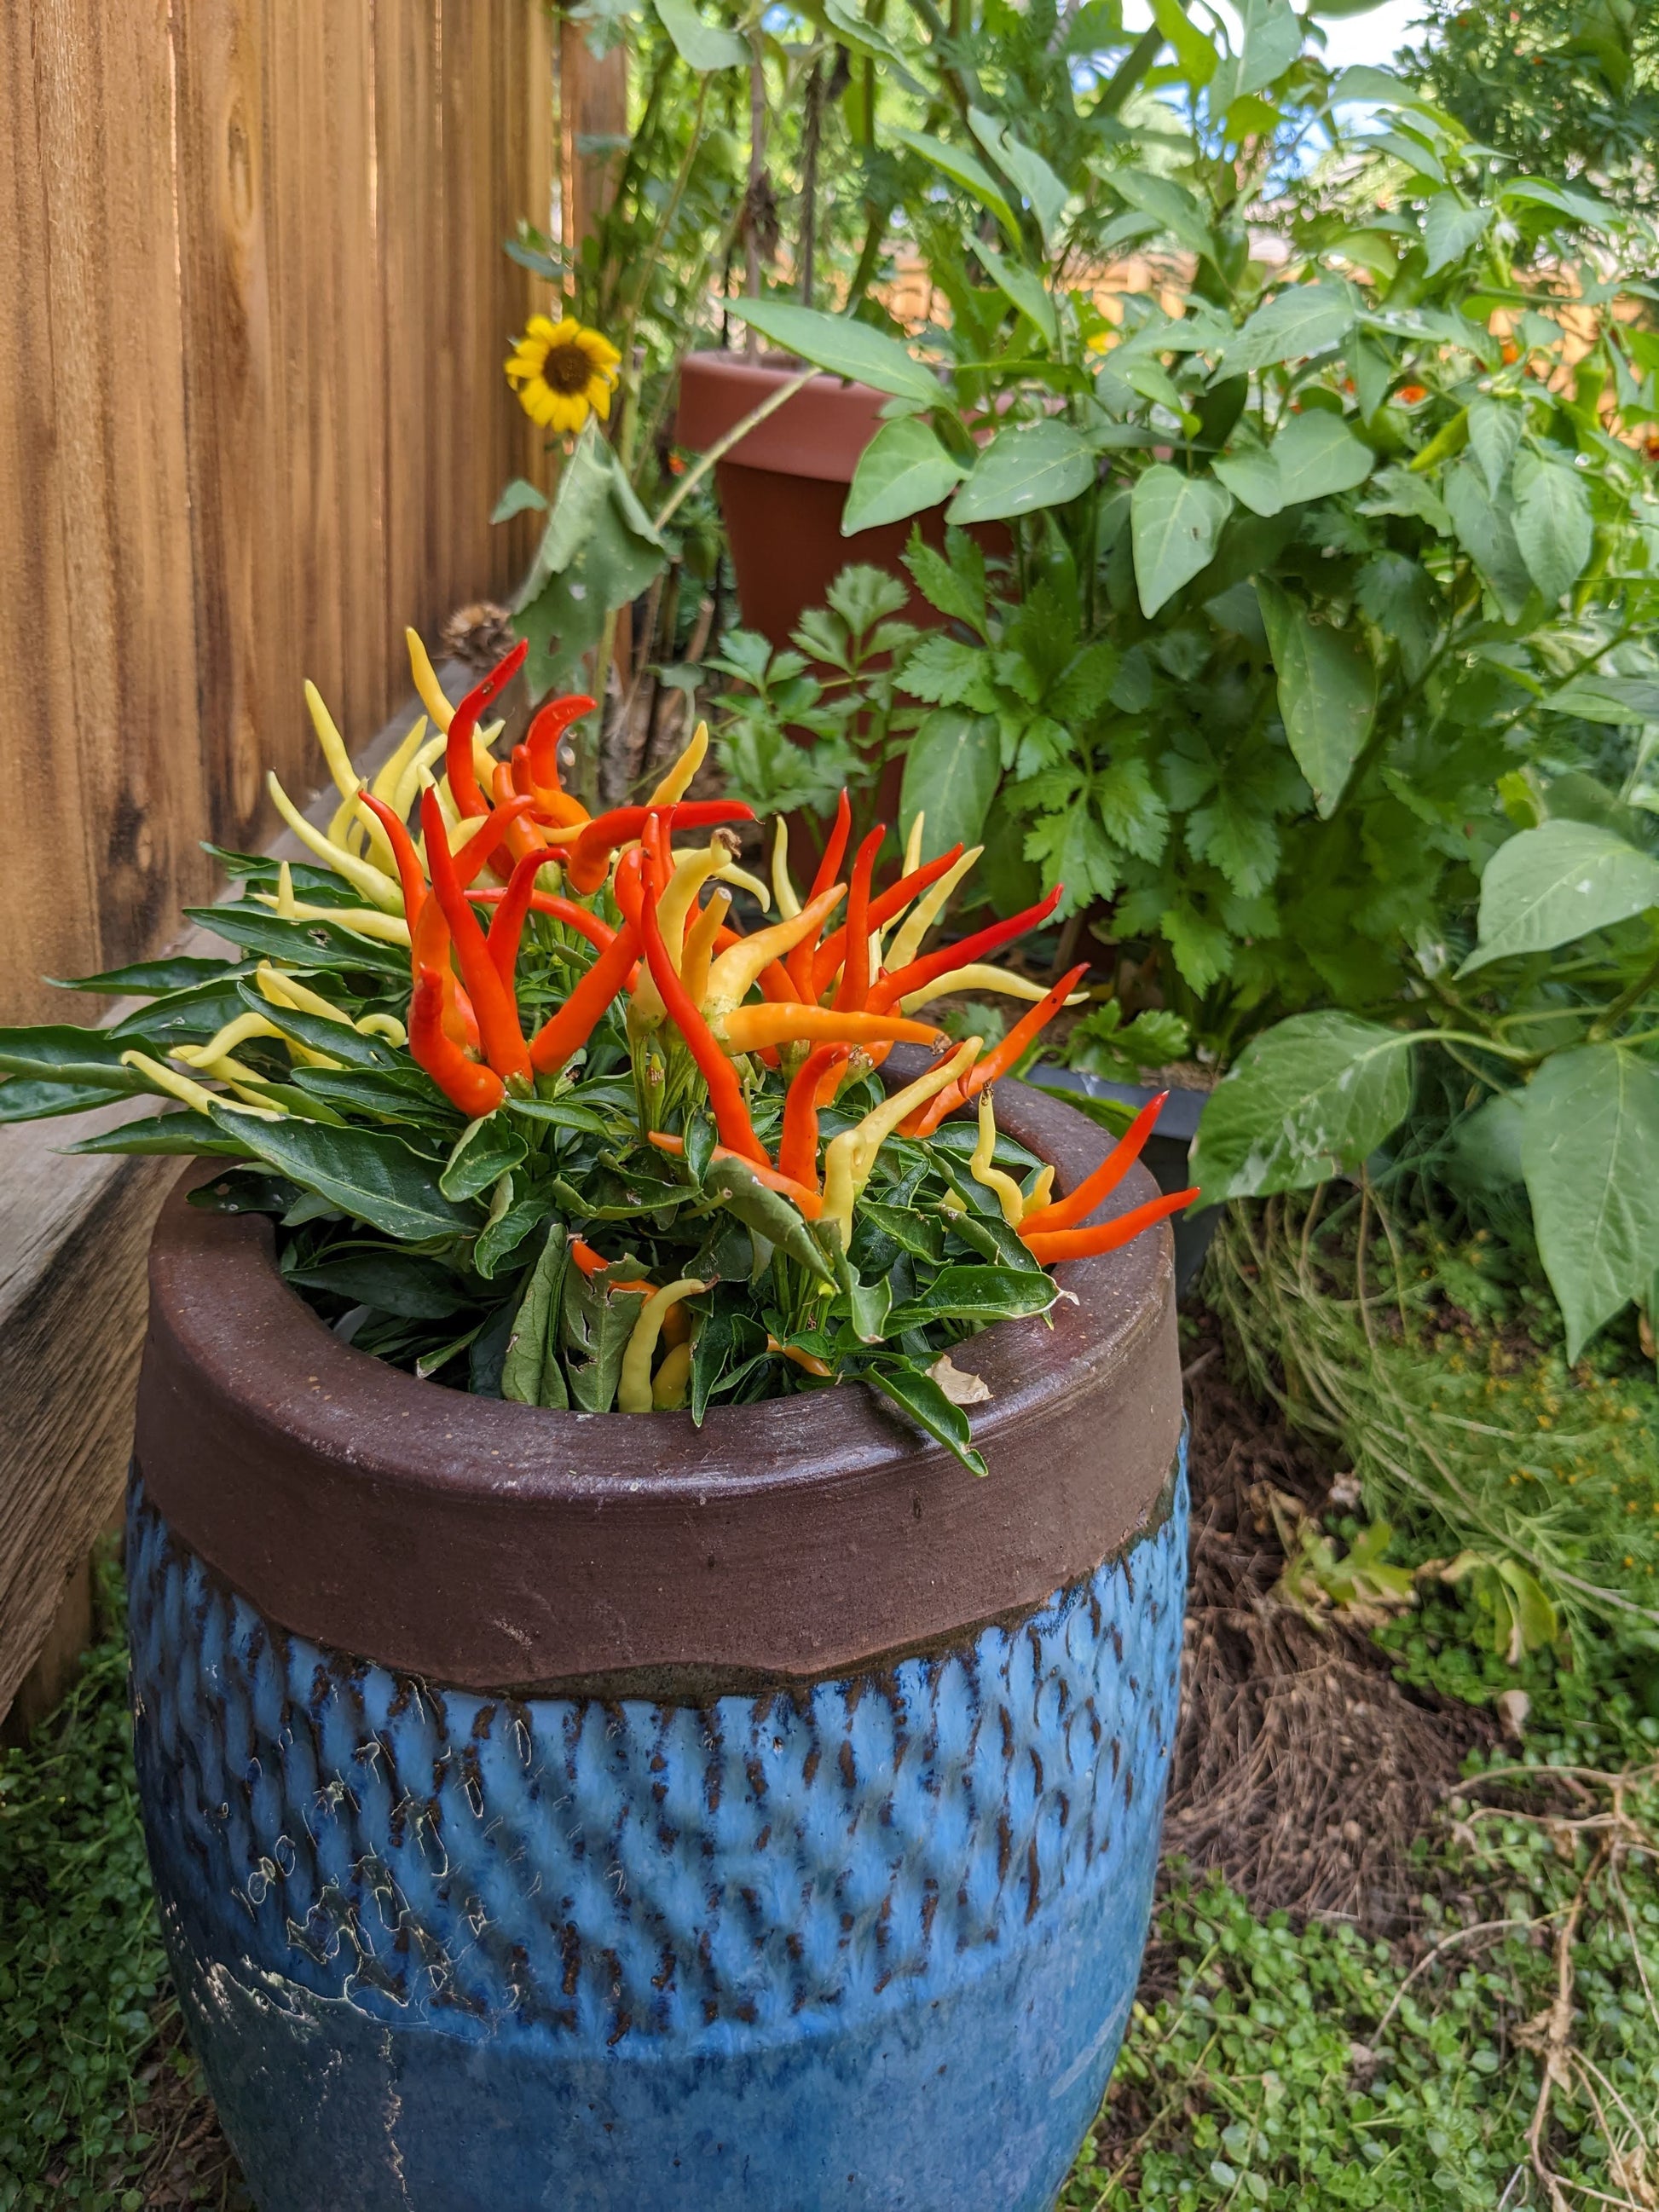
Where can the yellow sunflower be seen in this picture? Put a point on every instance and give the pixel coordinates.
(563, 373)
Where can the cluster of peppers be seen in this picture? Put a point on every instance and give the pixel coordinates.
(832, 1004)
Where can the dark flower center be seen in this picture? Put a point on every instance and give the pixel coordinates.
(567, 369)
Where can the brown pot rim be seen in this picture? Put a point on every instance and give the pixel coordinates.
(501, 1547)
(820, 433)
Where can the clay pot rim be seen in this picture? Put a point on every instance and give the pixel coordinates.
(1021, 1361)
(485, 1543)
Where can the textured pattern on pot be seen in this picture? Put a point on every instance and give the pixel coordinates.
(586, 1811)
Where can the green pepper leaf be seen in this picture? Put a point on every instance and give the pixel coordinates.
(24, 1099)
(597, 1322)
(765, 1213)
(976, 1294)
(408, 1283)
(504, 1233)
(183, 1133)
(367, 1173)
(484, 1152)
(339, 1039)
(919, 1397)
(59, 1053)
(531, 1374)
(302, 944)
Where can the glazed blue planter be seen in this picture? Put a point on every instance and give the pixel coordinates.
(690, 1923)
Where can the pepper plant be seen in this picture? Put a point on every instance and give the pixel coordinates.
(609, 1151)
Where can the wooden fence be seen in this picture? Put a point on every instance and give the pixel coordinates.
(253, 309)
(252, 418)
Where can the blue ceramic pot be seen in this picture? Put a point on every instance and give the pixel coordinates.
(690, 1933)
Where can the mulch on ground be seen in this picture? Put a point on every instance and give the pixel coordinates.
(1303, 1772)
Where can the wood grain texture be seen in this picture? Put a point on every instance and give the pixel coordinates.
(253, 310)
(254, 419)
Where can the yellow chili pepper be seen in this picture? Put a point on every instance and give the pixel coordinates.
(926, 911)
(1009, 1194)
(673, 787)
(633, 1389)
(850, 1156)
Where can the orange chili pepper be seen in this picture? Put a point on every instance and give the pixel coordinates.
(506, 926)
(430, 948)
(1066, 1212)
(493, 999)
(1049, 1245)
(752, 1028)
(805, 1199)
(477, 1090)
(1002, 1056)
(798, 1147)
(593, 1263)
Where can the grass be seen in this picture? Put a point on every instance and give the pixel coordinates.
(1504, 2052)
(82, 1975)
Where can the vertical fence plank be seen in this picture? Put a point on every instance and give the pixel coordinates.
(253, 419)
(46, 879)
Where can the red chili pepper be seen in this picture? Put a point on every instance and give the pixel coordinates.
(598, 933)
(541, 739)
(885, 904)
(1002, 1057)
(834, 852)
(506, 926)
(588, 857)
(1066, 1212)
(798, 964)
(402, 851)
(493, 1000)
(475, 855)
(568, 1031)
(458, 754)
(431, 949)
(476, 1091)
(888, 988)
(798, 1147)
(1049, 1245)
(725, 1096)
(854, 986)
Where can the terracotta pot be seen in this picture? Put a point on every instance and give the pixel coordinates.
(782, 488)
(561, 1809)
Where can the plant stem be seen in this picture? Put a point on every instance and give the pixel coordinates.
(757, 172)
(1602, 1028)
(695, 474)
